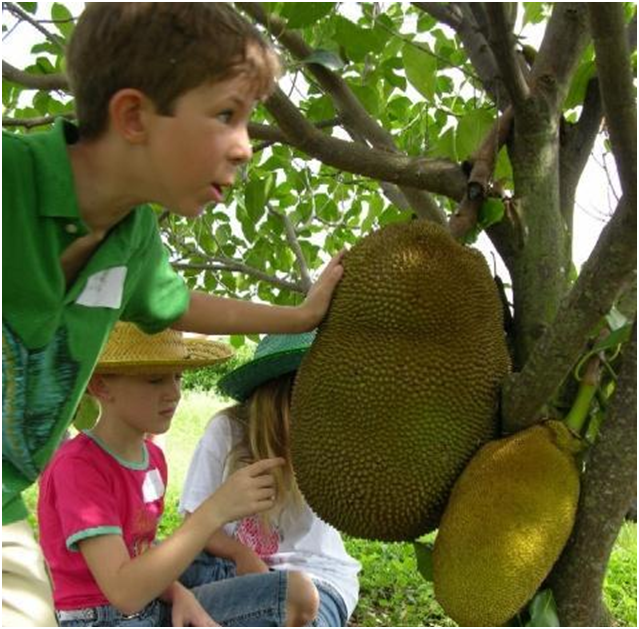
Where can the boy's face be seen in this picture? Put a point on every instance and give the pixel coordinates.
(144, 404)
(195, 154)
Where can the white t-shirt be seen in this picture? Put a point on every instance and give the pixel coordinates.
(299, 540)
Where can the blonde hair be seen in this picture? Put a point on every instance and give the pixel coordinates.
(264, 419)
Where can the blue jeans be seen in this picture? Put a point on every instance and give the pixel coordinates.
(255, 600)
(207, 568)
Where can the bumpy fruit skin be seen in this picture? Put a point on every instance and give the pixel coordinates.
(400, 387)
(508, 518)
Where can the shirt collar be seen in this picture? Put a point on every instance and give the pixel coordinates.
(56, 186)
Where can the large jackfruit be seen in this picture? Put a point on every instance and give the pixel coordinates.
(509, 516)
(400, 386)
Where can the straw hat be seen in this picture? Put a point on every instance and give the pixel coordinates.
(131, 351)
(275, 355)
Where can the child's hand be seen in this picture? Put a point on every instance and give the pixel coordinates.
(248, 491)
(186, 611)
(319, 297)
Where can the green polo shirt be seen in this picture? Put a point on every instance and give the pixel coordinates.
(52, 336)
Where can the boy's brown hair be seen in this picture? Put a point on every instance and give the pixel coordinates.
(163, 49)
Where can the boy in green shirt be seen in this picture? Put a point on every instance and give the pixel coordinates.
(164, 92)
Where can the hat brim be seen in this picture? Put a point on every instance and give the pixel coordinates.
(200, 353)
(241, 382)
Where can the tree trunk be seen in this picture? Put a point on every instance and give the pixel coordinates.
(608, 486)
(541, 269)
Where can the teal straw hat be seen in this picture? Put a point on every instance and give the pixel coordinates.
(275, 355)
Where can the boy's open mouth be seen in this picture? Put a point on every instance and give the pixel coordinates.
(218, 195)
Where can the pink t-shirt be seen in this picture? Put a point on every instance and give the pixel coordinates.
(85, 491)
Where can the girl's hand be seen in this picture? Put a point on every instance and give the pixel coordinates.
(248, 491)
(319, 297)
(186, 610)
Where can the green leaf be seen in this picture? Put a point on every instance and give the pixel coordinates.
(446, 146)
(63, 17)
(533, 12)
(472, 129)
(421, 70)
(424, 556)
(325, 58)
(41, 102)
(223, 234)
(504, 169)
(356, 40)
(29, 7)
(46, 46)
(367, 95)
(579, 83)
(302, 14)
(256, 195)
(543, 611)
(321, 109)
(491, 212)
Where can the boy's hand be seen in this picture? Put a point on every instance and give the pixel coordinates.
(319, 297)
(246, 492)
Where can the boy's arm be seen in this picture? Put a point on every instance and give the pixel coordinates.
(131, 583)
(208, 314)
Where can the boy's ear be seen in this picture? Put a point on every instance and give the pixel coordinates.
(128, 112)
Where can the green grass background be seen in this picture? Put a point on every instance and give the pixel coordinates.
(392, 591)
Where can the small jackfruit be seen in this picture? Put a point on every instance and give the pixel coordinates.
(508, 518)
(399, 389)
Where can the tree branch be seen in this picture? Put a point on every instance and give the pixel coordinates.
(348, 105)
(446, 12)
(34, 81)
(483, 166)
(24, 16)
(434, 175)
(225, 264)
(274, 135)
(460, 18)
(30, 123)
(603, 277)
(607, 488)
(616, 80)
(575, 149)
(564, 41)
(294, 244)
(502, 42)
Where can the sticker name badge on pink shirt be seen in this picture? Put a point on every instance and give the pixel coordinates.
(153, 486)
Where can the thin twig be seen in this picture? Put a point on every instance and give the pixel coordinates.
(24, 16)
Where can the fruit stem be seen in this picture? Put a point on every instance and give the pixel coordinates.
(578, 414)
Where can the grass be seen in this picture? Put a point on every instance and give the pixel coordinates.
(392, 592)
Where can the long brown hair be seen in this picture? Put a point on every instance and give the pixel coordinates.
(265, 421)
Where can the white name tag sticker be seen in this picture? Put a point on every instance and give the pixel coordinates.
(104, 289)
(153, 486)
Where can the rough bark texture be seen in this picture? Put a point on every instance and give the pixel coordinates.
(608, 486)
(541, 269)
(608, 272)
